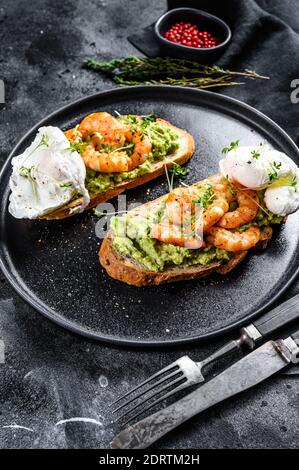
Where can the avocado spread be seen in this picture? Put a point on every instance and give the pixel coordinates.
(131, 238)
(164, 142)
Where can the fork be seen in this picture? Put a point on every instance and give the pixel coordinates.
(185, 372)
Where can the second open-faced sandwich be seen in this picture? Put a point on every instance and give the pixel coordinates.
(63, 173)
(207, 227)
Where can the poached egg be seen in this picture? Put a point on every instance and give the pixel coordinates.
(262, 168)
(282, 200)
(47, 176)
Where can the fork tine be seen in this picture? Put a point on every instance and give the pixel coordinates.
(145, 392)
(160, 372)
(154, 394)
(154, 403)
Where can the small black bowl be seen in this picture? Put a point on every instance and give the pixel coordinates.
(204, 21)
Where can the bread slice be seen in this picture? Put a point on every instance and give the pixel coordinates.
(180, 156)
(127, 270)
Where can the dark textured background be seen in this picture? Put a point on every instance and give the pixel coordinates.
(50, 374)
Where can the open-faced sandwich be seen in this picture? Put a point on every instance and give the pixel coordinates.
(207, 227)
(63, 173)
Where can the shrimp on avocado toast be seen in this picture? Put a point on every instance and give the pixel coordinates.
(207, 227)
(63, 173)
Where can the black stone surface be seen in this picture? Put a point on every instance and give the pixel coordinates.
(49, 374)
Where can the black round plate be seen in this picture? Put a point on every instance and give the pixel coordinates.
(54, 265)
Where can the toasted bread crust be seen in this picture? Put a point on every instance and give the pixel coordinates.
(181, 156)
(126, 270)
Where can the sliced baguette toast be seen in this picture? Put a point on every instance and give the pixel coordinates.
(127, 270)
(181, 156)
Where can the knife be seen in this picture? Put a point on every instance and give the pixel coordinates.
(257, 366)
(261, 328)
(190, 373)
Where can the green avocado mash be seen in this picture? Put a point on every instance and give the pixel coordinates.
(131, 238)
(164, 142)
(100, 182)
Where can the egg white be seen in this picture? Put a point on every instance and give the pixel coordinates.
(46, 176)
(260, 167)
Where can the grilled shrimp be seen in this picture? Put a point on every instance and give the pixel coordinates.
(105, 130)
(248, 206)
(100, 128)
(73, 135)
(223, 190)
(212, 214)
(234, 241)
(118, 160)
(180, 206)
(142, 148)
(104, 162)
(103, 123)
(180, 228)
(222, 196)
(177, 228)
(173, 234)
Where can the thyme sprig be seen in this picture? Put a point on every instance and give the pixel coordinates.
(168, 71)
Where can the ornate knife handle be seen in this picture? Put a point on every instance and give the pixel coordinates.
(278, 317)
(289, 348)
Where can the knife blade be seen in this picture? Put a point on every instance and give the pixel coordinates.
(257, 366)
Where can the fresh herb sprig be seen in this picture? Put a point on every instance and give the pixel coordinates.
(28, 172)
(77, 147)
(206, 197)
(233, 146)
(293, 182)
(273, 173)
(168, 71)
(177, 171)
(148, 119)
(287, 180)
(231, 186)
(255, 154)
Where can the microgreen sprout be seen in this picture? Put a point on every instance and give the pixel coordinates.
(293, 182)
(233, 146)
(273, 173)
(255, 154)
(177, 171)
(27, 172)
(206, 197)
